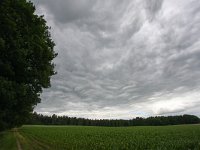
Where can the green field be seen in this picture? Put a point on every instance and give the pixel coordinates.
(181, 137)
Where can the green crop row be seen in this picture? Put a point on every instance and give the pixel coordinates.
(183, 137)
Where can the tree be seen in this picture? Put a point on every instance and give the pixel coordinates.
(26, 54)
(138, 121)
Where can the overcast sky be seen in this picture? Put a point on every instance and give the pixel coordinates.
(122, 59)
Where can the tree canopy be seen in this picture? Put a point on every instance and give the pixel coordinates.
(26, 54)
(39, 119)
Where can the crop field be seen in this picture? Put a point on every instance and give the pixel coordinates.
(181, 137)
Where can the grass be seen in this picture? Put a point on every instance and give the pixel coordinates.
(182, 137)
(8, 141)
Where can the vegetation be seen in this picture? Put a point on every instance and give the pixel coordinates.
(8, 141)
(38, 119)
(180, 137)
(26, 52)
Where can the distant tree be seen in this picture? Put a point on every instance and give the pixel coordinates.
(138, 121)
(188, 119)
(26, 52)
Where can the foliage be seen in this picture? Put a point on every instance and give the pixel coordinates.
(26, 52)
(181, 137)
(39, 119)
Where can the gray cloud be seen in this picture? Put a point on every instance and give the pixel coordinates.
(68, 10)
(121, 59)
(152, 8)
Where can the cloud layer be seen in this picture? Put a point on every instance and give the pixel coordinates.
(121, 59)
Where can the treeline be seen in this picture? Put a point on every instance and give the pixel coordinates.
(39, 119)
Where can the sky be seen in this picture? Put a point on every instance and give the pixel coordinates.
(122, 59)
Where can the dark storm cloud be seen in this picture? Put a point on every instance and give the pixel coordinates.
(120, 59)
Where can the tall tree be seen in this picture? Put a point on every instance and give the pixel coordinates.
(26, 54)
